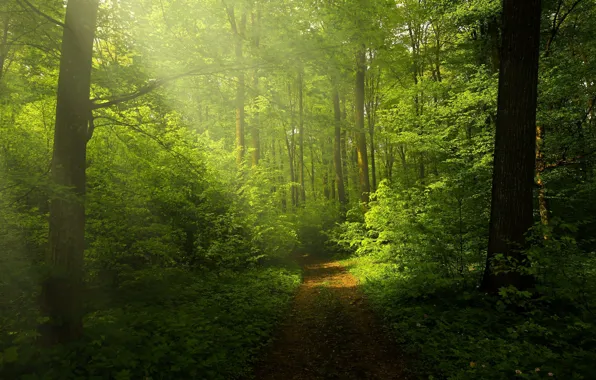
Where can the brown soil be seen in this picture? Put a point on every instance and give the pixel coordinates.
(330, 333)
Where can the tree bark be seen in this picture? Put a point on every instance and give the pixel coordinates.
(61, 296)
(360, 131)
(515, 143)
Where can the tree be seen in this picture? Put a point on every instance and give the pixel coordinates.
(362, 156)
(300, 85)
(337, 150)
(238, 31)
(62, 289)
(515, 142)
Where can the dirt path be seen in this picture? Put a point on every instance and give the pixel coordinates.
(330, 333)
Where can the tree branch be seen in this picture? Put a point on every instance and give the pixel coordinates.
(161, 143)
(557, 22)
(158, 83)
(570, 161)
(42, 14)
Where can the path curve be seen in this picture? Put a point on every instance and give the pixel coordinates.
(330, 333)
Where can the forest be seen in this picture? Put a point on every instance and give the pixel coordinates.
(297, 189)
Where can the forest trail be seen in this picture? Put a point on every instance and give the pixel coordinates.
(330, 333)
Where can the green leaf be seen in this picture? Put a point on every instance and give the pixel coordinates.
(10, 355)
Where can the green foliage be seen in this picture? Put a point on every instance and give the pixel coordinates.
(169, 324)
(183, 243)
(454, 332)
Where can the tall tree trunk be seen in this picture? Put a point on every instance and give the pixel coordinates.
(515, 143)
(337, 151)
(301, 137)
(290, 147)
(344, 149)
(360, 131)
(61, 297)
(4, 43)
(238, 31)
(284, 201)
(326, 190)
(417, 72)
(540, 166)
(312, 172)
(373, 83)
(255, 130)
(354, 173)
(373, 165)
(493, 35)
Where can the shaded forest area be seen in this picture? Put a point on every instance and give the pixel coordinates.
(164, 162)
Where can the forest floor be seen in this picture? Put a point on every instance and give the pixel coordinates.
(330, 332)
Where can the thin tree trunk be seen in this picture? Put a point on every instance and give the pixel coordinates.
(238, 31)
(360, 131)
(284, 201)
(493, 34)
(540, 166)
(337, 149)
(61, 297)
(515, 144)
(371, 106)
(373, 165)
(4, 43)
(301, 137)
(292, 172)
(255, 131)
(344, 149)
(291, 146)
(312, 172)
(326, 189)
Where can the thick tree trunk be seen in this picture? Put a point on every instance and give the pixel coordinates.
(61, 297)
(337, 151)
(360, 131)
(515, 143)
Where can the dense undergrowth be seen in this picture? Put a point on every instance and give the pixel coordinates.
(423, 280)
(169, 325)
(186, 271)
(455, 332)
